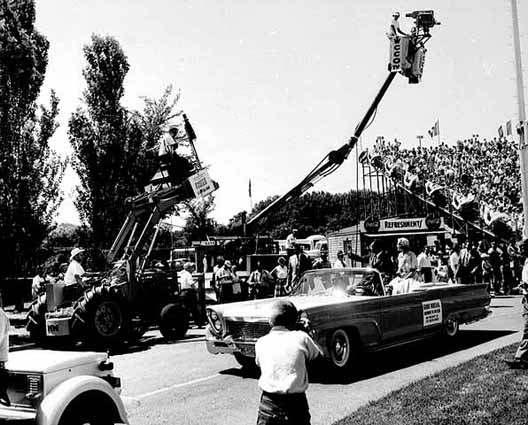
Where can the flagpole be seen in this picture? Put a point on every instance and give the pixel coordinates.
(438, 131)
(523, 149)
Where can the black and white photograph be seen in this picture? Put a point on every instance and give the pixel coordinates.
(263, 212)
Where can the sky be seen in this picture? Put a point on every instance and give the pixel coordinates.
(272, 86)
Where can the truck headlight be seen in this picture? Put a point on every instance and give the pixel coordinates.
(215, 321)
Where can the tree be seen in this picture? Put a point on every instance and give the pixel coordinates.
(114, 149)
(198, 224)
(30, 171)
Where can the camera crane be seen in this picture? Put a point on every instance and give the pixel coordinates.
(408, 47)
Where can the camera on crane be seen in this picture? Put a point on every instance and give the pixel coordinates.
(423, 19)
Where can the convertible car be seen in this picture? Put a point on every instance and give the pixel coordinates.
(347, 312)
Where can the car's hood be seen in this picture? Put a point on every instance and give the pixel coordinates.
(47, 361)
(258, 309)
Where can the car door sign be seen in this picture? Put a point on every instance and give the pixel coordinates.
(432, 312)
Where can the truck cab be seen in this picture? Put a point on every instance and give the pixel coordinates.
(48, 387)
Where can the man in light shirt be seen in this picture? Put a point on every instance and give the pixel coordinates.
(424, 264)
(291, 241)
(340, 262)
(282, 356)
(188, 292)
(4, 353)
(75, 269)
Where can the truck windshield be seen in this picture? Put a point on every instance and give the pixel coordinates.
(340, 283)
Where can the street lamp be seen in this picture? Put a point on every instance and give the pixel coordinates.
(419, 140)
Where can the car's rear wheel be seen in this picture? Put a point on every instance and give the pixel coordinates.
(451, 327)
(340, 349)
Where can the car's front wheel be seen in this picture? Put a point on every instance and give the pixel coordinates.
(340, 348)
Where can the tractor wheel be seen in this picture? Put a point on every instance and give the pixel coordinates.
(36, 319)
(174, 322)
(100, 317)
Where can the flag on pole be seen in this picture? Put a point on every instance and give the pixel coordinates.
(435, 129)
(508, 128)
(249, 188)
(500, 131)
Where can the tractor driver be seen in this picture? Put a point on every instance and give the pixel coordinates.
(75, 269)
(4, 352)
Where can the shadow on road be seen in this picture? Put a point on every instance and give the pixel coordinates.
(380, 363)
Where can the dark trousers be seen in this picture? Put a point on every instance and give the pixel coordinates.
(522, 351)
(283, 409)
(190, 300)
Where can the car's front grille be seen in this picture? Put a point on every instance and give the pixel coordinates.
(240, 330)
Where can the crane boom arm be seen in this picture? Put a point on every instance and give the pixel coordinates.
(329, 163)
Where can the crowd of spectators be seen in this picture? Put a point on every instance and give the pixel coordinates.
(483, 171)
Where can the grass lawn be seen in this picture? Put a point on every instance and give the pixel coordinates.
(481, 391)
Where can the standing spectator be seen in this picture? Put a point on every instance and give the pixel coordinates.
(280, 275)
(340, 262)
(282, 355)
(189, 293)
(521, 356)
(424, 264)
(322, 262)
(237, 285)
(291, 241)
(474, 265)
(494, 255)
(454, 263)
(463, 267)
(259, 283)
(75, 269)
(224, 282)
(298, 263)
(506, 271)
(214, 284)
(407, 262)
(4, 354)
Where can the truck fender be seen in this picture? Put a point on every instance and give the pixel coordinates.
(57, 401)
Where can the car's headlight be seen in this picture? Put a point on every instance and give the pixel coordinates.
(214, 320)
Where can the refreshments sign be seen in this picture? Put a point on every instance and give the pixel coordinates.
(398, 225)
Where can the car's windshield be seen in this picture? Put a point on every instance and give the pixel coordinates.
(340, 283)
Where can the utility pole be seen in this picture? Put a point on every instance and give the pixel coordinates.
(523, 148)
(419, 140)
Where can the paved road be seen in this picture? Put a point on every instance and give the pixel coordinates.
(180, 383)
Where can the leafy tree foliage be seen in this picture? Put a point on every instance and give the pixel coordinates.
(30, 172)
(198, 224)
(314, 213)
(114, 149)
